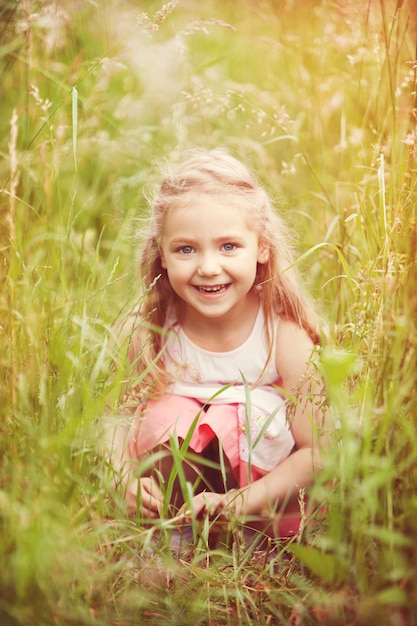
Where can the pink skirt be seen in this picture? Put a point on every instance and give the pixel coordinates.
(184, 418)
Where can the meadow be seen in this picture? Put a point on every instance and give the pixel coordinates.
(319, 97)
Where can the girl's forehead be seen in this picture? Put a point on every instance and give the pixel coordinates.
(209, 207)
(207, 215)
(203, 202)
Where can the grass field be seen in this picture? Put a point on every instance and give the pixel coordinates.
(320, 98)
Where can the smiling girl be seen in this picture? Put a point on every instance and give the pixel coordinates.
(222, 347)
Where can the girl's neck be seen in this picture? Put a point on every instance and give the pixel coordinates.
(222, 334)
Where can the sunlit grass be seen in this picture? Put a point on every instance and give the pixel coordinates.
(321, 101)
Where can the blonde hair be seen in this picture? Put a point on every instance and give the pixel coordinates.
(215, 173)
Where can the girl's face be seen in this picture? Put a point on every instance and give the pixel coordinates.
(211, 254)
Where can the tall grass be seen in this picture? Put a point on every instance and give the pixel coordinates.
(321, 99)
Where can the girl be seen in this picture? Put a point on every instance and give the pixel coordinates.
(221, 349)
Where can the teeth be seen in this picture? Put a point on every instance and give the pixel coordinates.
(216, 289)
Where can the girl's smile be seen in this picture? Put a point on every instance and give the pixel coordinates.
(212, 291)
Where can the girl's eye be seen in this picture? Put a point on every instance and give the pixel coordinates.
(185, 250)
(229, 247)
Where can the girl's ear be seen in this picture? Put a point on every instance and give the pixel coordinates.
(263, 252)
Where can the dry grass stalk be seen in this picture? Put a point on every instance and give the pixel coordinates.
(14, 178)
(11, 221)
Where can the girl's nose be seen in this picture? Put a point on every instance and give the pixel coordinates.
(209, 266)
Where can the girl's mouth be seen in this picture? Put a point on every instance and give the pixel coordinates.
(215, 290)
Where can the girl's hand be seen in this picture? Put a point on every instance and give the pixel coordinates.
(146, 503)
(212, 505)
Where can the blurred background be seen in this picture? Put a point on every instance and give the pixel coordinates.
(319, 99)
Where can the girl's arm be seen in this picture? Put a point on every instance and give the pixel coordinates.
(150, 495)
(309, 425)
(117, 433)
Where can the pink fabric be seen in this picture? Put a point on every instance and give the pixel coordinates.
(171, 415)
(175, 416)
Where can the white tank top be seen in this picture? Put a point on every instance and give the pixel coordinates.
(196, 367)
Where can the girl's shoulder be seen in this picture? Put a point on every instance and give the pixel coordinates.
(294, 349)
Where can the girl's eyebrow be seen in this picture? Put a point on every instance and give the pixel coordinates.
(181, 240)
(226, 237)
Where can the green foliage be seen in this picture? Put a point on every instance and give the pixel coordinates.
(321, 99)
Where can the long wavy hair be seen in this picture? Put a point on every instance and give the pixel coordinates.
(219, 175)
